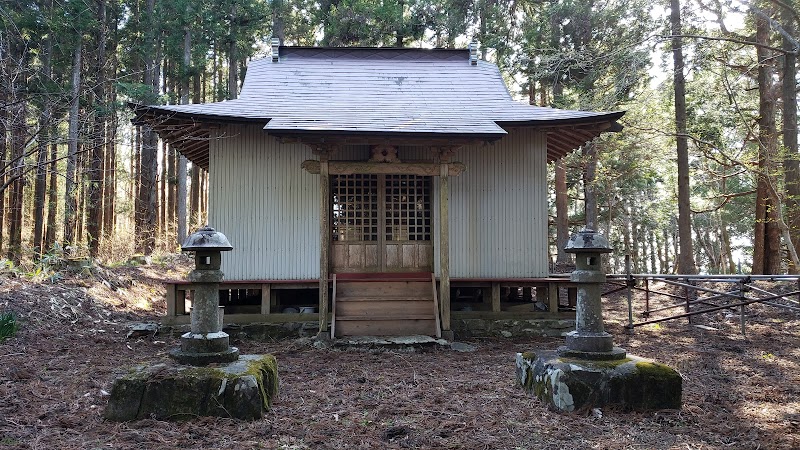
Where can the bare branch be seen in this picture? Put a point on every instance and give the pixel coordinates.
(796, 51)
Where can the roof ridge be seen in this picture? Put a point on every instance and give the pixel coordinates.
(407, 53)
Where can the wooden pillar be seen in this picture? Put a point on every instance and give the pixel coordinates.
(444, 244)
(552, 306)
(495, 296)
(172, 300)
(324, 238)
(266, 297)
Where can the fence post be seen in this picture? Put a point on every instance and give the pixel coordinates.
(741, 308)
(629, 284)
(688, 300)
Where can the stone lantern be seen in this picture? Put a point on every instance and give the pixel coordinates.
(589, 371)
(240, 387)
(589, 340)
(206, 343)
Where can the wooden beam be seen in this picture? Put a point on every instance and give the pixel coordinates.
(340, 140)
(430, 169)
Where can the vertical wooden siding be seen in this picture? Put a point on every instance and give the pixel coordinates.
(498, 209)
(265, 204)
(268, 206)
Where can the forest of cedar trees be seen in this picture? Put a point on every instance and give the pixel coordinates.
(704, 178)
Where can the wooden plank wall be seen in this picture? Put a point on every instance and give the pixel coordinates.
(269, 207)
(498, 209)
(265, 204)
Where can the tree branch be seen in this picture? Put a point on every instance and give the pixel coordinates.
(796, 51)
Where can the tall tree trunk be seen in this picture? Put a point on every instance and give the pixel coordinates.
(766, 245)
(562, 213)
(729, 265)
(4, 160)
(136, 178)
(40, 185)
(659, 247)
(181, 169)
(652, 250)
(96, 180)
(203, 197)
(70, 203)
(789, 132)
(19, 134)
(686, 263)
(589, 191)
(163, 186)
(666, 267)
(194, 201)
(279, 23)
(148, 167)
(110, 186)
(42, 141)
(170, 163)
(233, 67)
(181, 200)
(83, 169)
(52, 192)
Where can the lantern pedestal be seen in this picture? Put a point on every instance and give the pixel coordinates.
(572, 383)
(241, 390)
(221, 382)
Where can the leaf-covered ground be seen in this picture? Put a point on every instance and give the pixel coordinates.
(55, 375)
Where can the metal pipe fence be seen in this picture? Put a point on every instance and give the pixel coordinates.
(701, 294)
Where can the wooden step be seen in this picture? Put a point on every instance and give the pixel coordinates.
(383, 289)
(394, 307)
(361, 298)
(384, 305)
(373, 327)
(389, 317)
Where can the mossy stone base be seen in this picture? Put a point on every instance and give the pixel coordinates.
(169, 391)
(569, 384)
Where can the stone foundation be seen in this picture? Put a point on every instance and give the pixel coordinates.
(462, 328)
(466, 328)
(168, 391)
(569, 384)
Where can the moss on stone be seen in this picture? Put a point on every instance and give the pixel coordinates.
(242, 390)
(265, 370)
(600, 364)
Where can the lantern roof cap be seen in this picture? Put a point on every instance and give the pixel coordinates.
(587, 241)
(206, 238)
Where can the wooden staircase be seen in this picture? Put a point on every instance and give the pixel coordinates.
(388, 305)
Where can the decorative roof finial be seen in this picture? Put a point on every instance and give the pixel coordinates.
(473, 52)
(276, 43)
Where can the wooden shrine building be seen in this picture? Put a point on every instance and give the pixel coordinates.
(377, 189)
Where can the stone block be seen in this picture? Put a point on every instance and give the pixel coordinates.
(241, 390)
(569, 384)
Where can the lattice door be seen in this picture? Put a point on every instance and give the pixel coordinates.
(381, 223)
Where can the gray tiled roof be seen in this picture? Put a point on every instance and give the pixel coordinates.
(374, 91)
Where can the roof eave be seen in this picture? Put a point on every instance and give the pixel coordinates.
(397, 137)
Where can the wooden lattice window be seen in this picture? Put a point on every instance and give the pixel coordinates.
(355, 207)
(408, 208)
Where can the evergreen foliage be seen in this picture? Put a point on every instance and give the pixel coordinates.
(579, 54)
